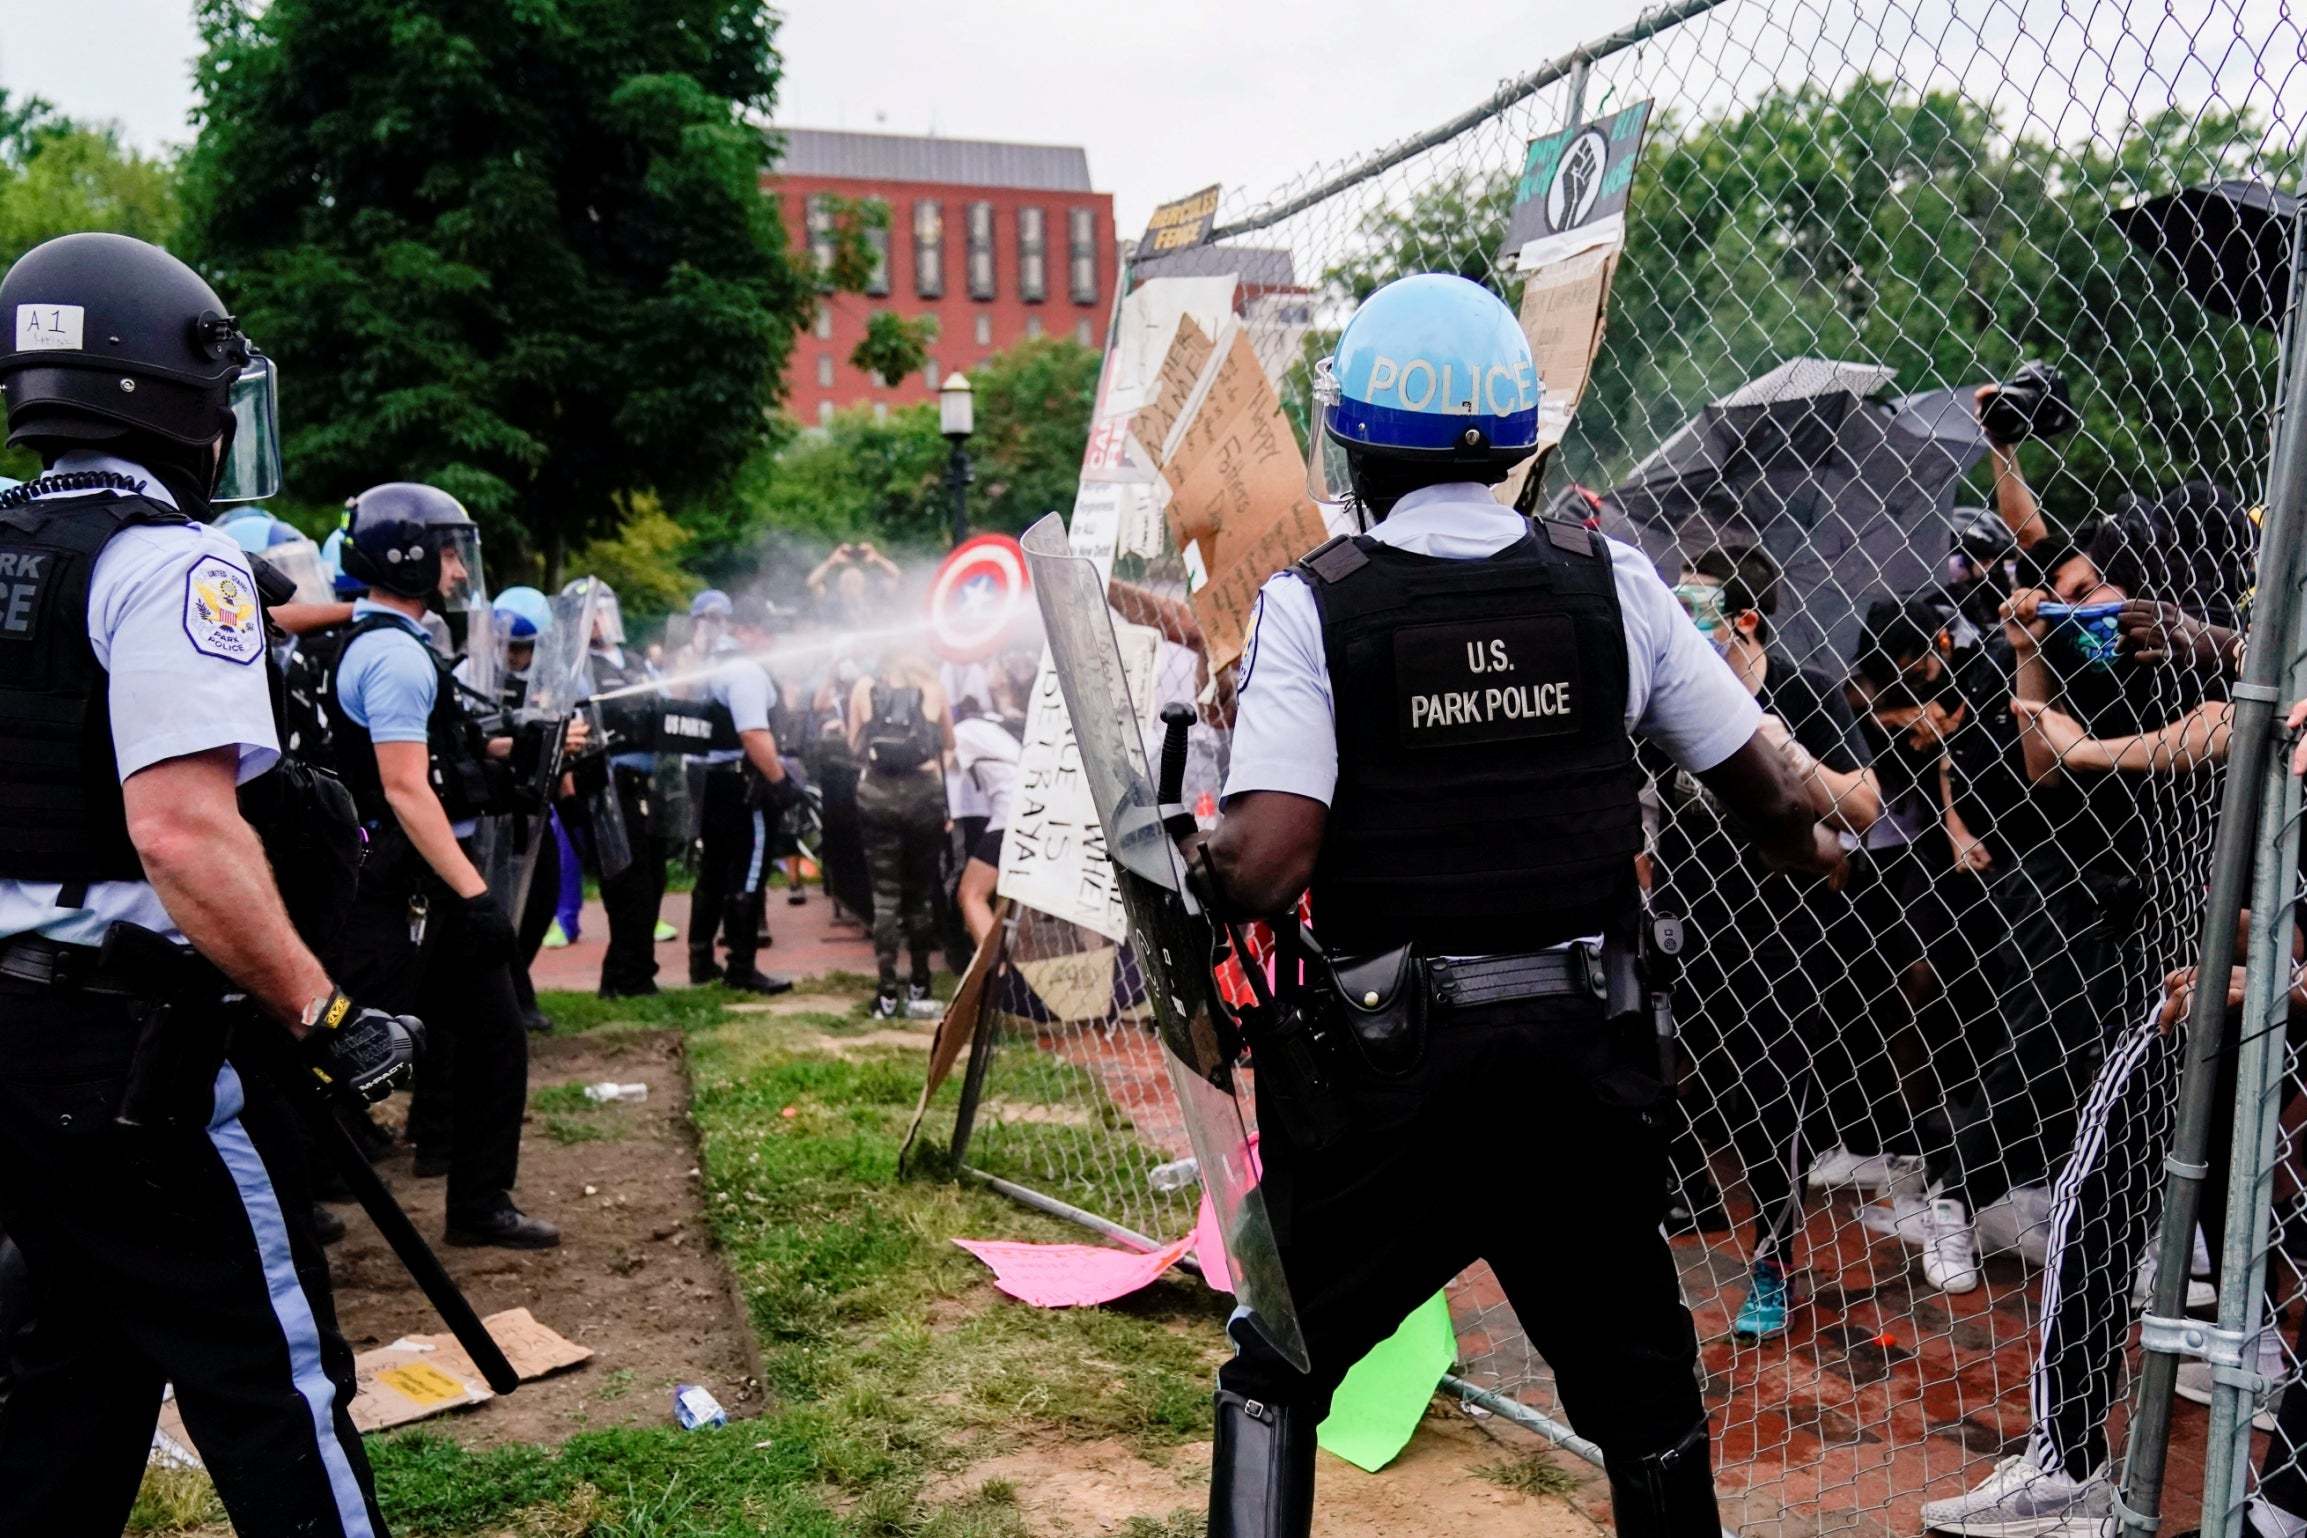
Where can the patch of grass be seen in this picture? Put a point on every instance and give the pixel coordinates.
(1185, 1522)
(889, 1363)
(174, 1501)
(1531, 1476)
(571, 1129)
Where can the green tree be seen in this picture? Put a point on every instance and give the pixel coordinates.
(858, 477)
(518, 251)
(895, 345)
(1033, 408)
(59, 177)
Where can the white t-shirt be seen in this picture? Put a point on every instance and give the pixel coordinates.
(985, 756)
(1679, 693)
(174, 619)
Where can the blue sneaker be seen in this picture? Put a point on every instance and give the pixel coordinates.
(1763, 1315)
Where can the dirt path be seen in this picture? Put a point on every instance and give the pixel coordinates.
(635, 1279)
(1082, 1489)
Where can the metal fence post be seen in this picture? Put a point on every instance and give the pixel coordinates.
(2253, 812)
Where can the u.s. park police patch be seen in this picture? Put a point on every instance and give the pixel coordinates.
(220, 612)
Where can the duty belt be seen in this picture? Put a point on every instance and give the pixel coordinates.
(50, 964)
(1468, 982)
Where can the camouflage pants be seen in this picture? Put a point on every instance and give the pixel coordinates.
(903, 819)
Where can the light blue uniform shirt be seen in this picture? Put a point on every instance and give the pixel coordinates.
(1679, 693)
(387, 682)
(743, 686)
(187, 676)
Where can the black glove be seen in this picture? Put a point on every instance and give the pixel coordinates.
(488, 931)
(363, 1054)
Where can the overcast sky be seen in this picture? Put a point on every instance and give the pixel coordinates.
(1168, 98)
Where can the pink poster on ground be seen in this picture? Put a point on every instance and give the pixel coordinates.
(1072, 1275)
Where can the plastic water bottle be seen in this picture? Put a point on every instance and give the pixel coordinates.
(1174, 1176)
(695, 1408)
(610, 1093)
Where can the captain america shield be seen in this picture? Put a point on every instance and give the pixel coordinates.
(979, 592)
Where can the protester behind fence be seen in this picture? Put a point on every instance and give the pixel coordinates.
(2078, 913)
(853, 587)
(1754, 1025)
(900, 730)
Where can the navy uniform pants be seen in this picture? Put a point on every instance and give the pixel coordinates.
(1379, 1221)
(163, 1257)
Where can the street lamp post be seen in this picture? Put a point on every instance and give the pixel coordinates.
(957, 419)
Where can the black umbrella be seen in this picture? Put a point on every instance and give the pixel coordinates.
(1849, 494)
(2229, 244)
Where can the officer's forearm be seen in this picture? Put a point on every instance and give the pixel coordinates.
(1262, 851)
(404, 769)
(761, 752)
(209, 870)
(1759, 787)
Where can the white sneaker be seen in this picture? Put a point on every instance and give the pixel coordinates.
(1950, 1256)
(2201, 1295)
(1904, 1218)
(2195, 1381)
(1839, 1167)
(2019, 1500)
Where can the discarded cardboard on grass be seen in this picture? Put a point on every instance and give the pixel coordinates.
(422, 1375)
(957, 1028)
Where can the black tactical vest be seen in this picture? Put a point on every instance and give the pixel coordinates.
(1486, 796)
(60, 809)
(467, 781)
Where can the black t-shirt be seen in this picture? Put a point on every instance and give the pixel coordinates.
(1708, 869)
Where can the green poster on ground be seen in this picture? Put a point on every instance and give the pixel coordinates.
(1380, 1403)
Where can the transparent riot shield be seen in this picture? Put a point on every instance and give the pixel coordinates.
(1171, 937)
(559, 677)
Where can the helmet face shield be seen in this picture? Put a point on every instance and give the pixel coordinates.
(251, 468)
(462, 585)
(1326, 477)
(299, 561)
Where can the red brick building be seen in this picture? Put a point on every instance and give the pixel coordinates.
(999, 241)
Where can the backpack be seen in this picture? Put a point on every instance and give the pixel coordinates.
(900, 737)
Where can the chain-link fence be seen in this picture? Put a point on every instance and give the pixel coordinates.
(1923, 1118)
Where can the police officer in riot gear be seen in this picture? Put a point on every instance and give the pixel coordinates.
(149, 1163)
(427, 929)
(631, 897)
(1436, 737)
(747, 790)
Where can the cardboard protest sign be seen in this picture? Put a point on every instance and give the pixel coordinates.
(1237, 494)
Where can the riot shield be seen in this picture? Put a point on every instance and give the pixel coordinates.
(559, 677)
(1168, 932)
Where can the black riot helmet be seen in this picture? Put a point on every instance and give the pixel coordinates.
(396, 539)
(112, 342)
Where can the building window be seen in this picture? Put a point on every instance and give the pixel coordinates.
(825, 371)
(1032, 256)
(1081, 254)
(985, 331)
(929, 249)
(820, 222)
(929, 374)
(877, 241)
(1033, 325)
(981, 250)
(825, 413)
(881, 411)
(1082, 334)
(824, 322)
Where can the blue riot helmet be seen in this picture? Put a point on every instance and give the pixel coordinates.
(523, 613)
(332, 560)
(710, 613)
(416, 541)
(1432, 381)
